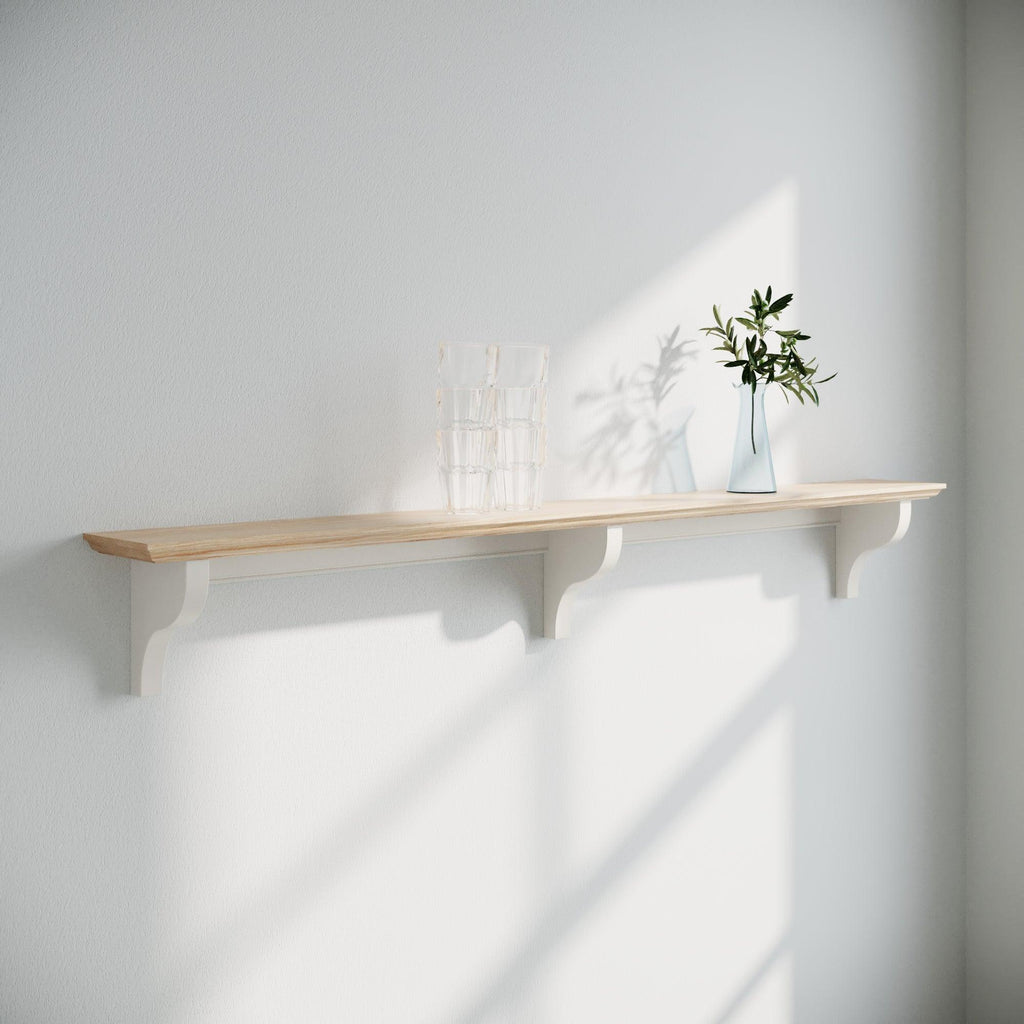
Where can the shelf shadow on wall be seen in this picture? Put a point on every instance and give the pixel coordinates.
(63, 603)
(455, 590)
(242, 936)
(464, 592)
(91, 619)
(238, 938)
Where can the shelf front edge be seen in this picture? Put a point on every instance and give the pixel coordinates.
(200, 543)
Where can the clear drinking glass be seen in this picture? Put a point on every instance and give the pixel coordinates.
(520, 414)
(465, 407)
(519, 457)
(467, 366)
(465, 425)
(521, 406)
(521, 366)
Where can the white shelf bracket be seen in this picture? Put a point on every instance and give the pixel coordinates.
(573, 557)
(861, 530)
(164, 597)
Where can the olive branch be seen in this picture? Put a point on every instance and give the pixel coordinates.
(786, 367)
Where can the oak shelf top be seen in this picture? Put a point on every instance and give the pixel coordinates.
(188, 543)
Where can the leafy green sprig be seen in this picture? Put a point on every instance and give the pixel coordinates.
(786, 367)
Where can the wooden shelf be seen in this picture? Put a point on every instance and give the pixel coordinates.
(173, 567)
(184, 543)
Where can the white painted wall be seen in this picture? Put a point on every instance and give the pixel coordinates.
(995, 249)
(232, 237)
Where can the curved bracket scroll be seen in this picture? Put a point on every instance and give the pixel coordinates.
(862, 529)
(572, 558)
(164, 597)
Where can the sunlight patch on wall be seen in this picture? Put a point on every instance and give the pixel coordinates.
(671, 704)
(372, 787)
(675, 798)
(711, 875)
(599, 429)
(766, 995)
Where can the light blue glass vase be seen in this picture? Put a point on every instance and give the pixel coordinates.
(752, 470)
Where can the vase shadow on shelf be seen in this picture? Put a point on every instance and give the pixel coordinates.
(634, 441)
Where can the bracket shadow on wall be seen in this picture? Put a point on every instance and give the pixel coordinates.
(171, 569)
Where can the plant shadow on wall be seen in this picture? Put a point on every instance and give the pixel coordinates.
(636, 441)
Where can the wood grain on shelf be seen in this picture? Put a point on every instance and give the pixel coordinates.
(185, 543)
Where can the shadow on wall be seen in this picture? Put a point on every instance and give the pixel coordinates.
(94, 620)
(571, 898)
(632, 417)
(511, 583)
(585, 897)
(633, 440)
(762, 986)
(615, 434)
(630, 434)
(68, 608)
(232, 944)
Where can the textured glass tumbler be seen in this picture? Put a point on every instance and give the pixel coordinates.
(467, 366)
(519, 463)
(465, 425)
(520, 415)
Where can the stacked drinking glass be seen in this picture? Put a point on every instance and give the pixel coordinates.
(520, 412)
(465, 425)
(491, 435)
